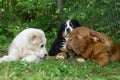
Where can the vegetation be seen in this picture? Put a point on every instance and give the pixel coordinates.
(16, 15)
(58, 70)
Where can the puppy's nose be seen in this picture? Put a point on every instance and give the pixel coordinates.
(68, 30)
(45, 55)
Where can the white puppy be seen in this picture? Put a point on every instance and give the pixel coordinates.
(28, 45)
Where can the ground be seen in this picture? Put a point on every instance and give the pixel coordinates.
(58, 70)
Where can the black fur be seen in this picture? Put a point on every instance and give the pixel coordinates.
(58, 43)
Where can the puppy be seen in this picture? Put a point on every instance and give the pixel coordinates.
(28, 45)
(89, 44)
(58, 46)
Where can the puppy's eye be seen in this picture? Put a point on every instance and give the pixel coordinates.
(42, 46)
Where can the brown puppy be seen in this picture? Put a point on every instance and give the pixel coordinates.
(93, 45)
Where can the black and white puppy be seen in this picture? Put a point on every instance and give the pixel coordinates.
(59, 44)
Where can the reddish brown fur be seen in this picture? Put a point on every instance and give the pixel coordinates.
(93, 45)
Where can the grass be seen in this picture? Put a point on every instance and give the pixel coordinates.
(58, 70)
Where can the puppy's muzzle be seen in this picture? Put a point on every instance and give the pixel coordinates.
(68, 30)
(45, 55)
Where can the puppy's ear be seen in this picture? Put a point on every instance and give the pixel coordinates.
(96, 36)
(34, 39)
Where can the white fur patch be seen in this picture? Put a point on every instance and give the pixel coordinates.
(27, 46)
(60, 57)
(31, 58)
(66, 33)
(68, 26)
(80, 60)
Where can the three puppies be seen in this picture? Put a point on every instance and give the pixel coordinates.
(58, 46)
(89, 44)
(28, 45)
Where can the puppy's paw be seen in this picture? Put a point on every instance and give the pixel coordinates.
(61, 56)
(31, 58)
(80, 60)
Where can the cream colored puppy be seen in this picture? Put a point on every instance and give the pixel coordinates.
(28, 45)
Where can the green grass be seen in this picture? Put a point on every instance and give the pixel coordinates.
(58, 70)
